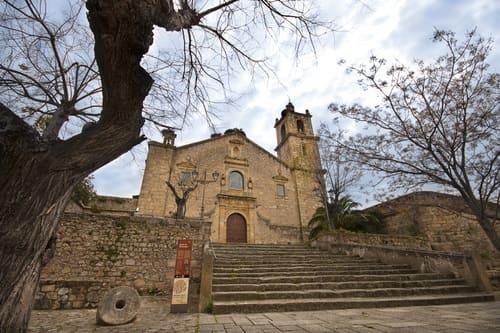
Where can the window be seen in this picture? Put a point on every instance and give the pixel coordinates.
(300, 126)
(280, 190)
(236, 180)
(283, 132)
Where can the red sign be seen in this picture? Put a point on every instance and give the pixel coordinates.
(183, 261)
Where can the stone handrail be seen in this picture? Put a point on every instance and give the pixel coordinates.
(468, 267)
(207, 264)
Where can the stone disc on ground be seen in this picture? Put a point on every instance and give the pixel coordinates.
(118, 306)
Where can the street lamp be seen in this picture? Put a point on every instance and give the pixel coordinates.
(329, 201)
(204, 181)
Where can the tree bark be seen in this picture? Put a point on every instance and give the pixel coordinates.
(486, 223)
(489, 229)
(181, 201)
(38, 176)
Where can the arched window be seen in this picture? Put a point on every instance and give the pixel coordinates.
(236, 180)
(283, 132)
(300, 126)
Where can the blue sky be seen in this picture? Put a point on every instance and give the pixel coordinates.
(393, 29)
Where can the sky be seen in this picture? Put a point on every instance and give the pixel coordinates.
(393, 29)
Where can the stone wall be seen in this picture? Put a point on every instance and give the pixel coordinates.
(454, 231)
(106, 205)
(77, 294)
(425, 261)
(443, 219)
(276, 234)
(153, 198)
(97, 252)
(398, 241)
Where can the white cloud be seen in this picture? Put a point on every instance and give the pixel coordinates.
(393, 29)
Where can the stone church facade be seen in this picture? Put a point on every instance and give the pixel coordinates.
(248, 194)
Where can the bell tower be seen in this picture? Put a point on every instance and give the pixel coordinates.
(298, 149)
(297, 144)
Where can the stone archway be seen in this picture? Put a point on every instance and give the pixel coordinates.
(236, 230)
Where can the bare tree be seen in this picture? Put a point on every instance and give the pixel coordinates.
(438, 124)
(341, 174)
(39, 171)
(46, 70)
(181, 191)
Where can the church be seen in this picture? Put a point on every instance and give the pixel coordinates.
(248, 194)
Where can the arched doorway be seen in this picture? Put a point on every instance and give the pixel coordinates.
(236, 231)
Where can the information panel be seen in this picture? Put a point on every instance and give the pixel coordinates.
(180, 291)
(180, 286)
(183, 261)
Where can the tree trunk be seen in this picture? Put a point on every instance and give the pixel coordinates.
(481, 214)
(24, 240)
(489, 229)
(32, 198)
(38, 176)
(181, 208)
(37, 179)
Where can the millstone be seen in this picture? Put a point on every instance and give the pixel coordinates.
(118, 306)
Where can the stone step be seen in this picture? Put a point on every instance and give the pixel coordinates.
(257, 246)
(287, 262)
(377, 284)
(266, 251)
(272, 252)
(308, 269)
(305, 304)
(273, 259)
(263, 252)
(249, 263)
(299, 278)
(278, 258)
(244, 296)
(250, 278)
(322, 271)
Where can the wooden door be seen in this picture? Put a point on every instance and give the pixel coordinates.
(236, 229)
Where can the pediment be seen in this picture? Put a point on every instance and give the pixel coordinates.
(186, 164)
(236, 142)
(280, 178)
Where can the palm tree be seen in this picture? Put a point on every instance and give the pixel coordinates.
(343, 215)
(319, 223)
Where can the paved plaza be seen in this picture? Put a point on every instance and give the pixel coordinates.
(154, 316)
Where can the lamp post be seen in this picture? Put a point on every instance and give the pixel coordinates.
(204, 181)
(328, 202)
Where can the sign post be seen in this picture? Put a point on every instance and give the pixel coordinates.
(180, 288)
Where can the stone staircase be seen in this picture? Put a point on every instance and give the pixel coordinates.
(264, 278)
